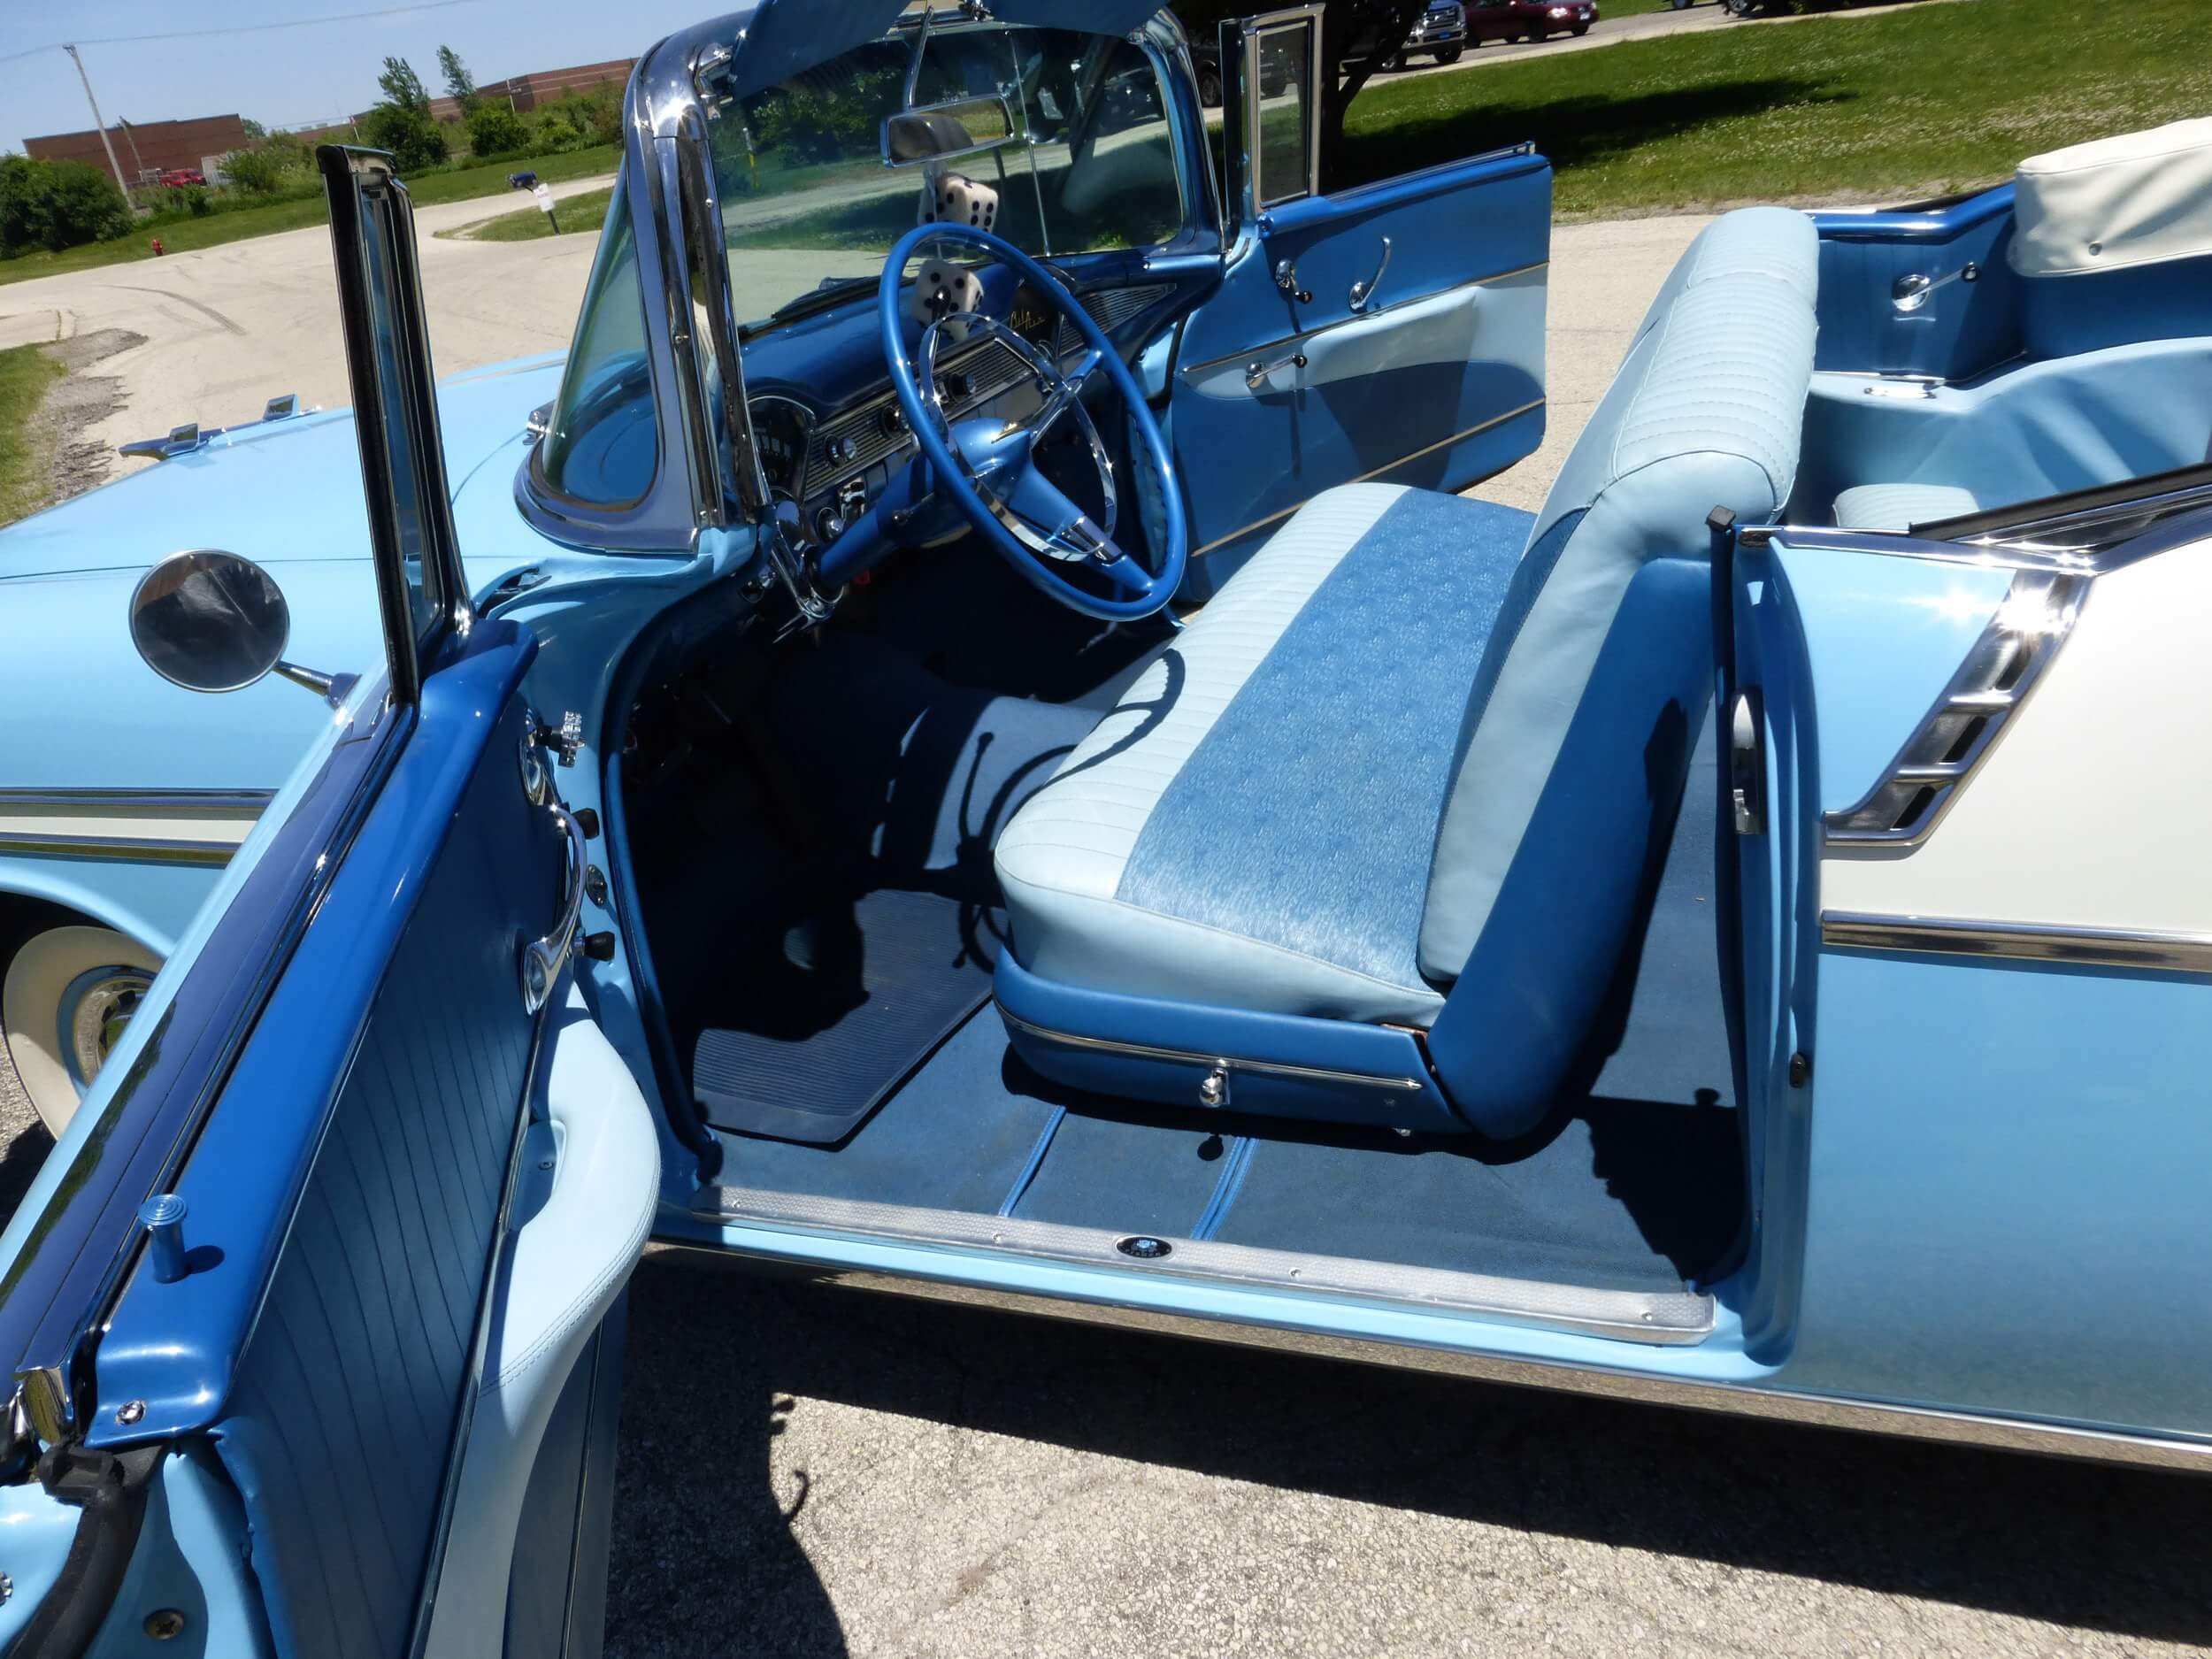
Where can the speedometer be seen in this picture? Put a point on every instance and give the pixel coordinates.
(780, 434)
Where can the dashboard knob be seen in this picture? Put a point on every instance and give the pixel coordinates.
(829, 524)
(957, 384)
(893, 421)
(842, 449)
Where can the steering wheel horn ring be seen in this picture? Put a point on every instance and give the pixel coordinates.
(987, 465)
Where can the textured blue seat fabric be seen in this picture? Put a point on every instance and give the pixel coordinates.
(1417, 735)
(1252, 826)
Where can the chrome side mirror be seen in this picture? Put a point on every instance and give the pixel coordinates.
(210, 620)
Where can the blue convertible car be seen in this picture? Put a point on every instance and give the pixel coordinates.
(963, 741)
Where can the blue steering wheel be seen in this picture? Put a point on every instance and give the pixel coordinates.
(987, 463)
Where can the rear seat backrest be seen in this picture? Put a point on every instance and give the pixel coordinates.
(1557, 772)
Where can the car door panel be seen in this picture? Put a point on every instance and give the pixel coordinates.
(1394, 331)
(408, 1175)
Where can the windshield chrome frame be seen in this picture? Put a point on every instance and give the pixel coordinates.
(706, 479)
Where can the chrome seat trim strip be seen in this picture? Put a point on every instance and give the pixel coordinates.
(1812, 1410)
(2028, 941)
(1676, 1318)
(126, 848)
(139, 800)
(1188, 1056)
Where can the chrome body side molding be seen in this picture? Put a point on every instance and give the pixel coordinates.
(2145, 948)
(2055, 1439)
(1681, 1317)
(198, 827)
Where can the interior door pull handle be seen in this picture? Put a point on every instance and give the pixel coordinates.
(542, 958)
(1255, 372)
(1363, 292)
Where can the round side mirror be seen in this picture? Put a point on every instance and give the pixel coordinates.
(210, 620)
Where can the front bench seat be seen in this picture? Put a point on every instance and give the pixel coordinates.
(1412, 769)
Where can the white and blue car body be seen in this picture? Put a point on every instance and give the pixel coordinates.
(967, 741)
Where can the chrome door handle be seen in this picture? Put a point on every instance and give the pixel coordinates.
(1255, 372)
(1362, 292)
(1910, 291)
(542, 958)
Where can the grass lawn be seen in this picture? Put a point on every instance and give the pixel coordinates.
(24, 374)
(1852, 106)
(181, 233)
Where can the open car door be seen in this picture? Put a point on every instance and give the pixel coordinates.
(1392, 332)
(317, 1326)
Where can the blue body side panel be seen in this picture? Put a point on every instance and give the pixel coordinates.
(192, 1554)
(2007, 1164)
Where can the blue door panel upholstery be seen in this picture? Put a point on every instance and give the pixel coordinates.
(1304, 817)
(341, 1416)
(1959, 329)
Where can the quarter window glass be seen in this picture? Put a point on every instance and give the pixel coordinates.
(1282, 105)
(603, 445)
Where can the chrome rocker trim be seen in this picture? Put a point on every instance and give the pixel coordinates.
(1189, 1056)
(1672, 1319)
(2145, 949)
(1919, 1423)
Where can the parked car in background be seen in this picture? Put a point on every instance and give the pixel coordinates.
(1440, 33)
(1206, 59)
(177, 178)
(1528, 20)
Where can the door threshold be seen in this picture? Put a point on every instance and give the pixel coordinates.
(1672, 1318)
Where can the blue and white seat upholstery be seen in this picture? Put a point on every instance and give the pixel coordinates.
(1411, 770)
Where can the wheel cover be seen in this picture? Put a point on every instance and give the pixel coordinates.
(988, 468)
(66, 998)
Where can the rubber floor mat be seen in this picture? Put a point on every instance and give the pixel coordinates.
(870, 995)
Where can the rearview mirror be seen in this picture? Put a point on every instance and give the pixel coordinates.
(210, 620)
(936, 132)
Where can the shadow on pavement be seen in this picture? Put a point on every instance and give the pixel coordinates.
(704, 1552)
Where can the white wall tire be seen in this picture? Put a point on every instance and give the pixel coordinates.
(64, 994)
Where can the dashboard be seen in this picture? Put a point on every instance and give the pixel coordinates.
(833, 464)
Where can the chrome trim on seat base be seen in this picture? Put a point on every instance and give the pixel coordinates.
(1188, 1056)
(1682, 1316)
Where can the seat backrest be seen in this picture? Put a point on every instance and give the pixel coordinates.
(1576, 737)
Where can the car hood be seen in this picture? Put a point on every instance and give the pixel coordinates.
(287, 492)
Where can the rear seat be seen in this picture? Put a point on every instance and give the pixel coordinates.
(1901, 506)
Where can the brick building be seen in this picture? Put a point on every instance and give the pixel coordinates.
(145, 147)
(527, 92)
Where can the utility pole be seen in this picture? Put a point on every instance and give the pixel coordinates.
(97, 122)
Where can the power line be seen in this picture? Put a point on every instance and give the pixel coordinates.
(239, 28)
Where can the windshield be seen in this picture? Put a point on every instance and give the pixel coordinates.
(807, 199)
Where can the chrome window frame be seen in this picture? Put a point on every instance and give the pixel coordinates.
(1254, 31)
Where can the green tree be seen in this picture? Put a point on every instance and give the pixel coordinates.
(415, 141)
(253, 129)
(56, 204)
(460, 84)
(402, 87)
(496, 130)
(254, 170)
